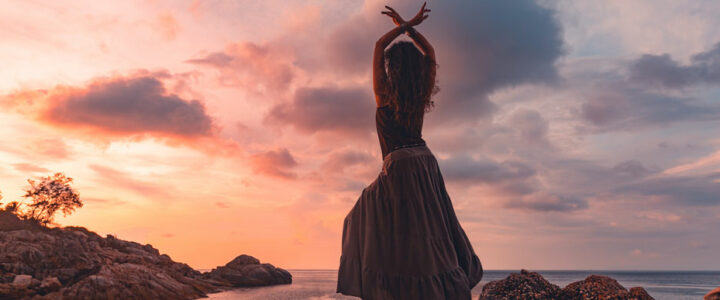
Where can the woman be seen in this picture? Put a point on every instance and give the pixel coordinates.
(402, 239)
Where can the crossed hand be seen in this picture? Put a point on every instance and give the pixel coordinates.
(398, 20)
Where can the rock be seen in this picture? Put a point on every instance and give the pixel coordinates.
(600, 287)
(713, 295)
(523, 285)
(530, 285)
(640, 294)
(75, 263)
(49, 285)
(245, 271)
(22, 280)
(242, 260)
(9, 291)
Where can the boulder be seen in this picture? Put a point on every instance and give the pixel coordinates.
(639, 293)
(523, 285)
(49, 285)
(713, 295)
(246, 271)
(22, 280)
(601, 287)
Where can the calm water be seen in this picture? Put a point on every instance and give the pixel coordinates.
(320, 284)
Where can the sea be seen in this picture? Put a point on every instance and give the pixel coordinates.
(661, 285)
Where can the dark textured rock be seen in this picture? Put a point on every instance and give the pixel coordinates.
(640, 294)
(244, 271)
(601, 287)
(523, 285)
(713, 295)
(75, 263)
(530, 285)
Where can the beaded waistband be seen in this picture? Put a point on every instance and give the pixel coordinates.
(408, 146)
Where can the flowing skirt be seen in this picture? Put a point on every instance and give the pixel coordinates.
(402, 239)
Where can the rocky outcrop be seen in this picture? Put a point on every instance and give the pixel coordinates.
(531, 285)
(247, 271)
(523, 285)
(602, 287)
(713, 295)
(74, 263)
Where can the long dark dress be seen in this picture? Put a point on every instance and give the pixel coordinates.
(402, 239)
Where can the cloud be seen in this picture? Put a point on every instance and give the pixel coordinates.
(616, 106)
(344, 110)
(696, 190)
(466, 169)
(111, 177)
(135, 105)
(167, 25)
(29, 168)
(662, 70)
(260, 68)
(277, 163)
(339, 161)
(531, 125)
(548, 203)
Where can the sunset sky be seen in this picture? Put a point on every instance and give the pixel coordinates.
(571, 134)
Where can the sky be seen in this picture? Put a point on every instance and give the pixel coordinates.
(571, 134)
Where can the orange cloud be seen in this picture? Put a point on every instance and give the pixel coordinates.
(276, 163)
(134, 106)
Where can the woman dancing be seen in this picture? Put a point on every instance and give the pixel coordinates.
(402, 239)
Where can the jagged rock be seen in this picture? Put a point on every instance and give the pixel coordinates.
(246, 270)
(49, 285)
(75, 263)
(601, 287)
(713, 295)
(640, 294)
(523, 285)
(22, 280)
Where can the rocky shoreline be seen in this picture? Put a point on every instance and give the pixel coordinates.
(75, 263)
(531, 285)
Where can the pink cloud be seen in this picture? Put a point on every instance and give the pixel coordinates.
(275, 163)
(261, 68)
(332, 109)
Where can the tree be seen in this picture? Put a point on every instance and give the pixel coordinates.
(49, 195)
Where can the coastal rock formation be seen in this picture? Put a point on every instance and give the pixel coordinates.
(74, 263)
(602, 287)
(713, 295)
(531, 285)
(523, 285)
(248, 271)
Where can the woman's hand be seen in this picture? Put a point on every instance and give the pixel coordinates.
(399, 21)
(420, 16)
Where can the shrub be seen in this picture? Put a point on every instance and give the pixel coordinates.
(49, 195)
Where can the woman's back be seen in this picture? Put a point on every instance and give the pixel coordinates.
(394, 134)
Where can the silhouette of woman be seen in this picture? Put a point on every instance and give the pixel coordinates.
(402, 239)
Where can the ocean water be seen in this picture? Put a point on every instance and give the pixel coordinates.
(662, 285)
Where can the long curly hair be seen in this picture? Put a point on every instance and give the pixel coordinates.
(411, 82)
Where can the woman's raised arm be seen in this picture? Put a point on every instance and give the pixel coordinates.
(379, 75)
(422, 43)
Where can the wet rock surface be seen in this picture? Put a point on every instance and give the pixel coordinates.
(74, 263)
(531, 285)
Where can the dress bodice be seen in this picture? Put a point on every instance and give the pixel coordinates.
(394, 135)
